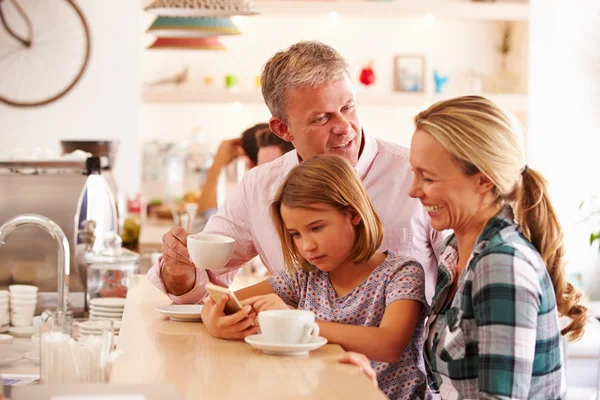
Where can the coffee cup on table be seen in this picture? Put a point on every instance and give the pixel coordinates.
(209, 251)
(288, 326)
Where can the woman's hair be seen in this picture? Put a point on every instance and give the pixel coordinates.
(484, 139)
(329, 180)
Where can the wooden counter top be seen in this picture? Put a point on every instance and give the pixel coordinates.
(158, 350)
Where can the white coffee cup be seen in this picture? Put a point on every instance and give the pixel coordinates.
(210, 251)
(288, 326)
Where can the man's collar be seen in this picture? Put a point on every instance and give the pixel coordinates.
(366, 157)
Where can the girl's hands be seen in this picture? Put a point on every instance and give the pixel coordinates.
(266, 302)
(360, 360)
(234, 326)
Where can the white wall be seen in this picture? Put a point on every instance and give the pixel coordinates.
(103, 105)
(451, 46)
(565, 111)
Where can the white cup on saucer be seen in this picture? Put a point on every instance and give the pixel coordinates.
(288, 326)
(209, 251)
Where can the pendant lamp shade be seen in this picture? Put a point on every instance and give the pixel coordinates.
(192, 27)
(187, 43)
(202, 8)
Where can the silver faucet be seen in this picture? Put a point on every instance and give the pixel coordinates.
(64, 255)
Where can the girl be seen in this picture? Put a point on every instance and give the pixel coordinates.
(364, 300)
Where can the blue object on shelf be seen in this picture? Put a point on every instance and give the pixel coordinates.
(440, 81)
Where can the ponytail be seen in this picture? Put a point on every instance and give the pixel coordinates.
(536, 216)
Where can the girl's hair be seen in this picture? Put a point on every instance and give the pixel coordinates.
(330, 180)
(484, 139)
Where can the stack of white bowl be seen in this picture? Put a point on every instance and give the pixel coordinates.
(4, 315)
(23, 299)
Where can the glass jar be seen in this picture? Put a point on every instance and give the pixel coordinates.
(109, 272)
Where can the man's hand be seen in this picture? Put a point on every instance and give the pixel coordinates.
(179, 272)
(234, 326)
(266, 302)
(228, 151)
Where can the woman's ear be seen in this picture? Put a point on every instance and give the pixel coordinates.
(484, 184)
(355, 219)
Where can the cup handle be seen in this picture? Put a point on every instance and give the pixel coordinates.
(311, 332)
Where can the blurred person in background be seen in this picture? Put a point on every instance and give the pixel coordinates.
(258, 144)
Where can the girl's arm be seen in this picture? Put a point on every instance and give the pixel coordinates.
(238, 325)
(258, 289)
(385, 343)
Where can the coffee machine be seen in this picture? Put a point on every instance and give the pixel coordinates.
(69, 192)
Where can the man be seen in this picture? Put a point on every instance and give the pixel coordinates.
(309, 93)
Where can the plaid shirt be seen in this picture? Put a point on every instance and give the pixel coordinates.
(499, 337)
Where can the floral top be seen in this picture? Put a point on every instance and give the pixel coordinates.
(499, 337)
(397, 278)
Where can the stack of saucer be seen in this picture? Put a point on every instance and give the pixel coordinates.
(4, 316)
(107, 309)
(23, 299)
(95, 328)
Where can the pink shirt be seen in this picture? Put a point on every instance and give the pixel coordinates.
(244, 216)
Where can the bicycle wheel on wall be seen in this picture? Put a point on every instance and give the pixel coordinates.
(44, 50)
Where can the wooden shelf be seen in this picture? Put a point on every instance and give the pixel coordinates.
(465, 9)
(513, 102)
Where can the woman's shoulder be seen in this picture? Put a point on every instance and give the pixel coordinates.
(508, 243)
(508, 258)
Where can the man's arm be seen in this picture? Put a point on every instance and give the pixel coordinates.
(177, 276)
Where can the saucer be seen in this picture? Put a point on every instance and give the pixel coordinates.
(258, 342)
(182, 312)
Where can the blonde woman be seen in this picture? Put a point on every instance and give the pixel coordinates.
(365, 300)
(493, 331)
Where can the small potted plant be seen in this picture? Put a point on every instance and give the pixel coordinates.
(591, 212)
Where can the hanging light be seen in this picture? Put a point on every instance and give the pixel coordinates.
(202, 8)
(192, 27)
(187, 43)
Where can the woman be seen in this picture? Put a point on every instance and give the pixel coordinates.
(493, 330)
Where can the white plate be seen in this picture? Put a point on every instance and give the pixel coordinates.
(96, 314)
(8, 356)
(107, 309)
(97, 318)
(22, 331)
(182, 312)
(94, 325)
(279, 349)
(108, 302)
